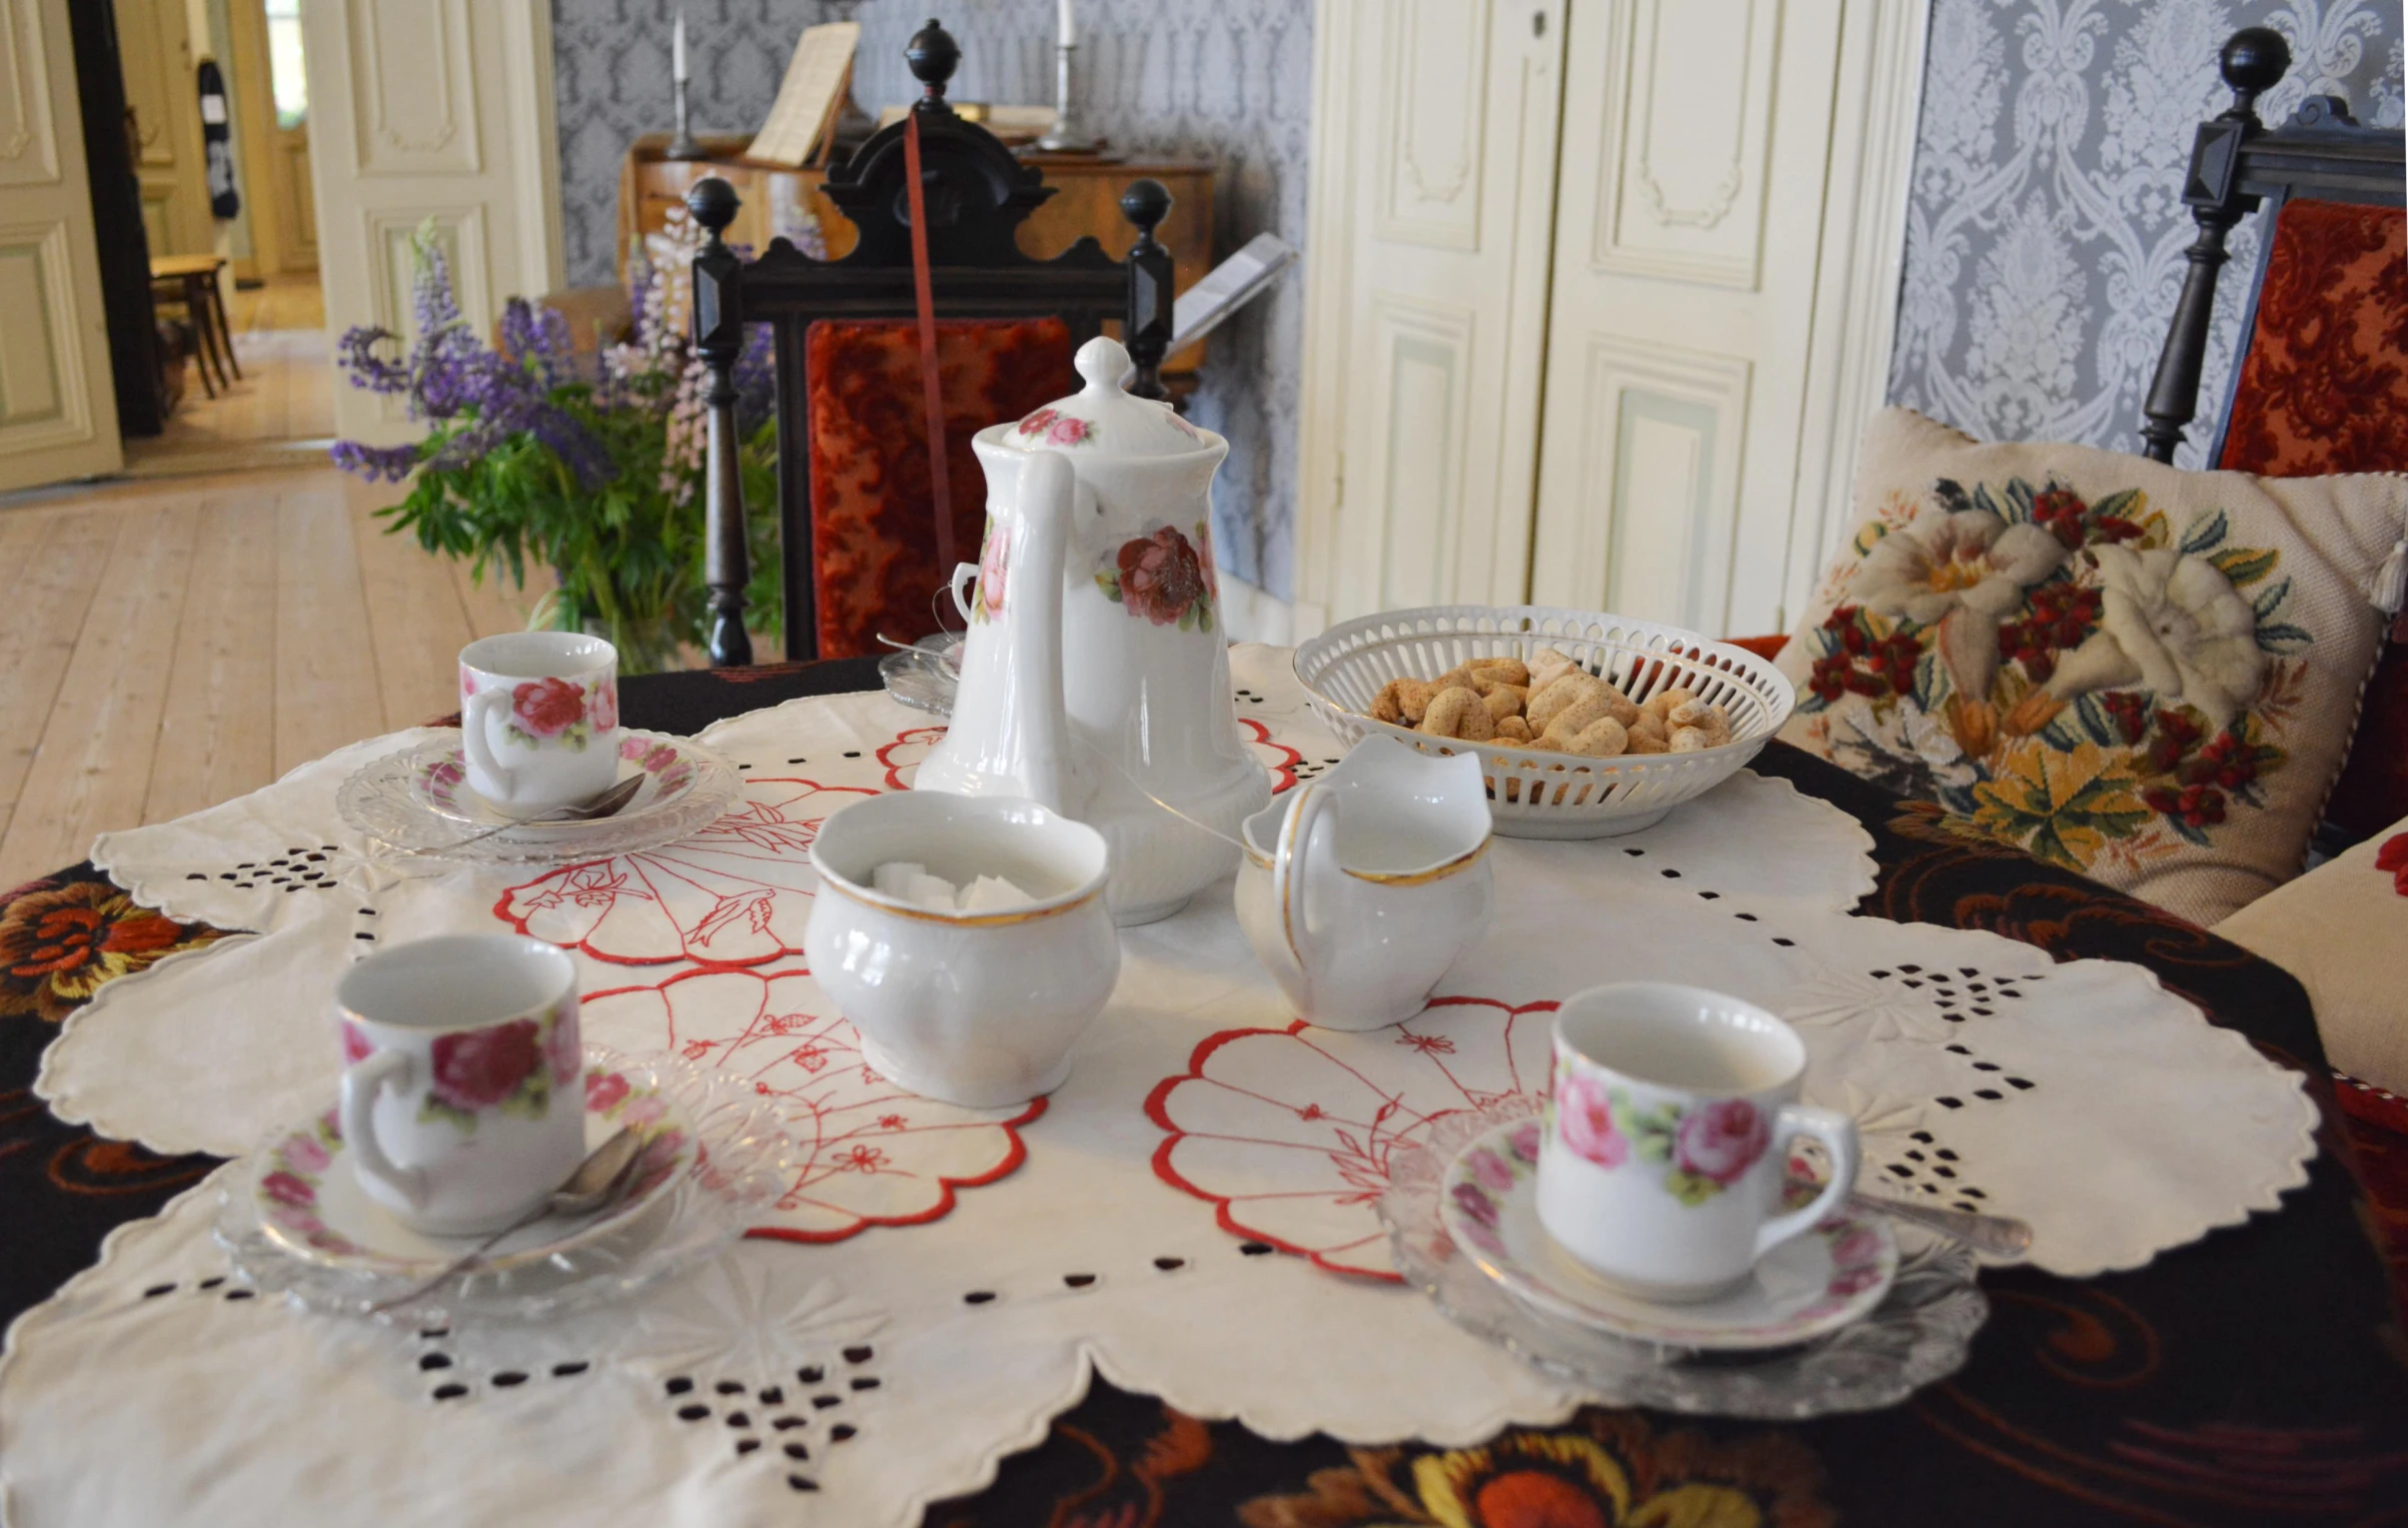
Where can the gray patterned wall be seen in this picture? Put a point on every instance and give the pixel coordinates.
(611, 71)
(2046, 233)
(1229, 80)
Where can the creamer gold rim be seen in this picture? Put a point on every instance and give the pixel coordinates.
(854, 893)
(1463, 862)
(1456, 866)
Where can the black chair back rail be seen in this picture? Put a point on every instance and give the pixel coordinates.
(2238, 165)
(976, 194)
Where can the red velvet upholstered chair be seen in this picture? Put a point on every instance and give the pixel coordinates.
(935, 203)
(872, 513)
(2323, 389)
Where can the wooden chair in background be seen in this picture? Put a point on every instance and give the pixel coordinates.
(2320, 384)
(976, 194)
(193, 281)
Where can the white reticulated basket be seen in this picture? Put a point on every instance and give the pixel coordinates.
(1535, 792)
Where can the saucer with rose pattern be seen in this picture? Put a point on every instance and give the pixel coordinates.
(309, 1203)
(1808, 1286)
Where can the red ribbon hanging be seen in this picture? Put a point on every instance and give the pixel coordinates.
(932, 393)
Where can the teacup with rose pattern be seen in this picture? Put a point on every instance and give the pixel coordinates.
(461, 1108)
(538, 718)
(1667, 1133)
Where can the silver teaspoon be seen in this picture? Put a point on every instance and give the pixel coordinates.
(1998, 1235)
(596, 1184)
(603, 805)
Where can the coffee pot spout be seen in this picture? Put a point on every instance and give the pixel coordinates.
(1032, 622)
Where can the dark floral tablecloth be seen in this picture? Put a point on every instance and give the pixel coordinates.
(2256, 1376)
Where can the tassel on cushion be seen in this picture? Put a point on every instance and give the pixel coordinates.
(2390, 589)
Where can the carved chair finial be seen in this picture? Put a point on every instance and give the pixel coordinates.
(2253, 60)
(934, 56)
(714, 203)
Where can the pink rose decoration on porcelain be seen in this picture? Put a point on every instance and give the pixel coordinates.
(602, 706)
(1585, 1115)
(285, 1188)
(1070, 431)
(355, 1045)
(604, 1091)
(1162, 577)
(482, 1068)
(994, 563)
(1721, 1140)
(1035, 423)
(562, 1051)
(305, 1154)
(548, 706)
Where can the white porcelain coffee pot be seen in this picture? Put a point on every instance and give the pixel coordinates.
(1095, 677)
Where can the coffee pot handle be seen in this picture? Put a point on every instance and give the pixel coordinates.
(963, 574)
(361, 1085)
(477, 741)
(1837, 1133)
(1288, 876)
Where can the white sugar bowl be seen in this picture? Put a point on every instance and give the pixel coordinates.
(978, 1009)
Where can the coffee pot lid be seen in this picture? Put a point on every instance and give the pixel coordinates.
(1104, 420)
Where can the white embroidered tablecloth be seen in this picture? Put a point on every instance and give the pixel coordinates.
(966, 1268)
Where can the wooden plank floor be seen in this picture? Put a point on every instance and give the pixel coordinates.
(168, 643)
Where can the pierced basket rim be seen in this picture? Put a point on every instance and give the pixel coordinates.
(1324, 651)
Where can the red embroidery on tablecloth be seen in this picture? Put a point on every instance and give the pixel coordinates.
(736, 894)
(869, 1152)
(1278, 757)
(1284, 1095)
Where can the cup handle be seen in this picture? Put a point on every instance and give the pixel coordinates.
(963, 574)
(1288, 877)
(474, 739)
(1837, 1133)
(361, 1085)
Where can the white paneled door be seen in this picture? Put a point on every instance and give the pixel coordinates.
(1603, 344)
(429, 109)
(58, 412)
(1687, 220)
(1434, 152)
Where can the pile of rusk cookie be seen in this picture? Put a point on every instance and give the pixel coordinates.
(1550, 703)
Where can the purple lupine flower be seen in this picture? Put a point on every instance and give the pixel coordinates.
(356, 353)
(376, 463)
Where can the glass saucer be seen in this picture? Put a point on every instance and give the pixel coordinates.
(1918, 1333)
(926, 675)
(418, 801)
(741, 1159)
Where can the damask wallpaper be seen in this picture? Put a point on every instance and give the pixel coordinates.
(2046, 230)
(1225, 79)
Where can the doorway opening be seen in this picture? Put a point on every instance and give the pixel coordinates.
(218, 114)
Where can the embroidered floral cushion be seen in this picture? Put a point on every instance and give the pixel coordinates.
(2145, 675)
(872, 523)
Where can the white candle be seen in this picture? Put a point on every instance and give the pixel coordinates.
(677, 63)
(1069, 27)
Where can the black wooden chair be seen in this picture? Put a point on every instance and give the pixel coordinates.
(976, 194)
(2237, 166)
(2297, 173)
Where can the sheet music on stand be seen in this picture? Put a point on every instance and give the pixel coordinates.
(1229, 286)
(803, 119)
